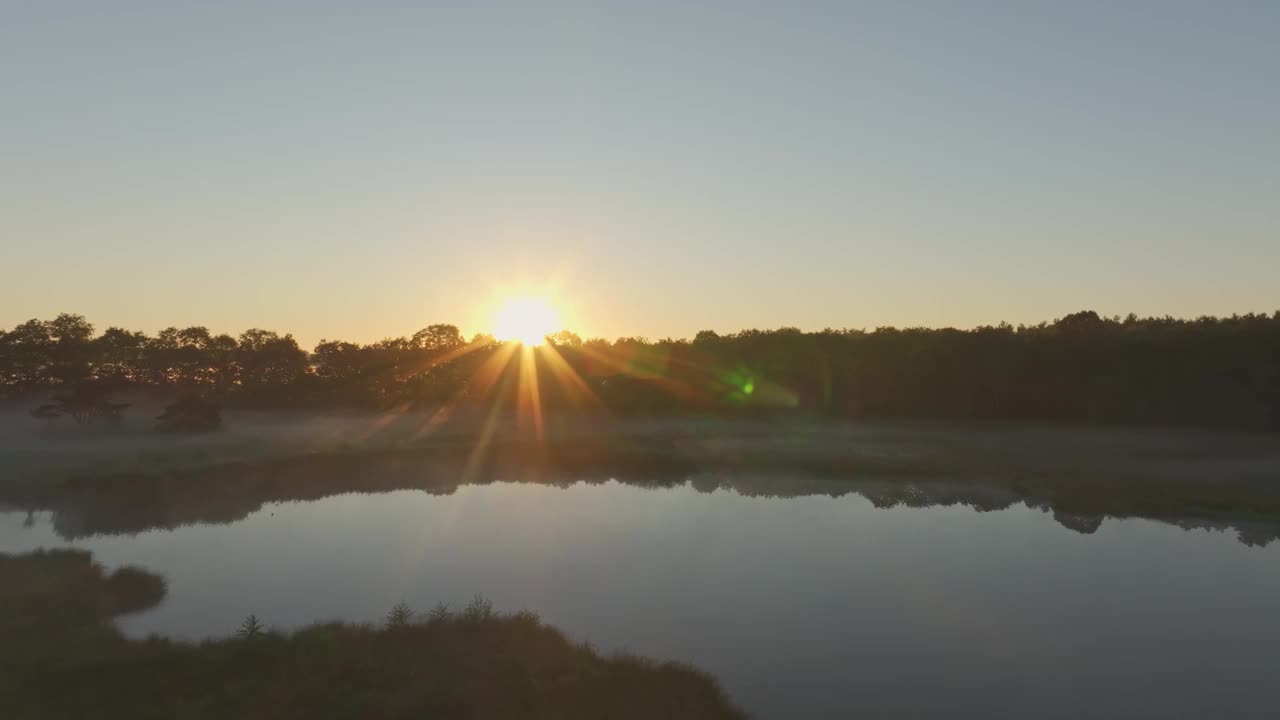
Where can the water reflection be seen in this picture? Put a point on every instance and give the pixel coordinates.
(125, 504)
(819, 603)
(979, 496)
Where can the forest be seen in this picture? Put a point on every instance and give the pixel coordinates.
(1081, 368)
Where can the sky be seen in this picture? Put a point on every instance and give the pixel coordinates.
(360, 170)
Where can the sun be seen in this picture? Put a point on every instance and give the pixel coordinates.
(526, 319)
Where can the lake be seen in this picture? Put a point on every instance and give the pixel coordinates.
(802, 599)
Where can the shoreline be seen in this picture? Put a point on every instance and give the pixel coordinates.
(1188, 478)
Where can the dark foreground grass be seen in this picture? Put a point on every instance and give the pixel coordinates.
(60, 657)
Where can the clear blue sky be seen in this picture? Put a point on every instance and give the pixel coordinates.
(358, 170)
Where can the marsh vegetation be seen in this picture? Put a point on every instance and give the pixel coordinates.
(60, 657)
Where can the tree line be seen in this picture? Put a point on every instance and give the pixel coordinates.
(1207, 371)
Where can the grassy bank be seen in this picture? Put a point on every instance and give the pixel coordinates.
(61, 658)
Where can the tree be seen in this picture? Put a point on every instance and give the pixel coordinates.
(71, 349)
(263, 357)
(87, 404)
(29, 350)
(438, 338)
(120, 357)
(564, 338)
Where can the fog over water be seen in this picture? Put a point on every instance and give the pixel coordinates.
(801, 593)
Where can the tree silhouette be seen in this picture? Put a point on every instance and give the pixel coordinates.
(1082, 368)
(438, 338)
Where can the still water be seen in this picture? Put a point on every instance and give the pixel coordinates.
(801, 606)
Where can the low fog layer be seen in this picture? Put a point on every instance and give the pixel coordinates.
(32, 449)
